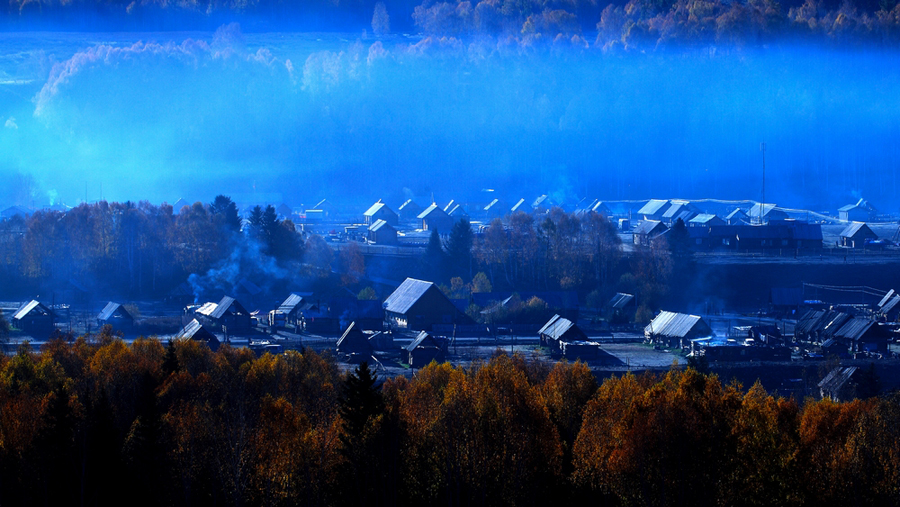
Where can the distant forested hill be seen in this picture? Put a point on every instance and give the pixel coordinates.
(591, 23)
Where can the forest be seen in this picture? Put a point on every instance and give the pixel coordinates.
(145, 251)
(640, 24)
(93, 421)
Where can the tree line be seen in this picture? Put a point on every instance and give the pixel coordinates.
(95, 421)
(635, 24)
(139, 249)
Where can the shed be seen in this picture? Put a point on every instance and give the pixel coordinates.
(672, 329)
(380, 211)
(197, 332)
(116, 315)
(418, 305)
(382, 233)
(856, 234)
(423, 350)
(35, 319)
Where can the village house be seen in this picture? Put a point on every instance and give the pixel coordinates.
(861, 334)
(14, 211)
(845, 383)
(435, 219)
(228, 316)
(496, 209)
(737, 217)
(418, 305)
(34, 319)
(558, 331)
(288, 314)
(856, 234)
(862, 211)
(409, 210)
(647, 231)
(683, 210)
(424, 349)
(670, 329)
(382, 233)
(354, 341)
(518, 206)
(654, 209)
(194, 330)
(117, 316)
(705, 220)
(762, 213)
(380, 211)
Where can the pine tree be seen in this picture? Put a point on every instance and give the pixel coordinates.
(363, 442)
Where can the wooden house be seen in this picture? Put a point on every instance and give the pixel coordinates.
(194, 330)
(117, 316)
(423, 350)
(354, 341)
(647, 231)
(418, 305)
(863, 335)
(670, 329)
(654, 209)
(558, 330)
(35, 319)
(705, 220)
(761, 213)
(862, 211)
(380, 211)
(856, 234)
(382, 233)
(683, 210)
(409, 210)
(434, 218)
(228, 316)
(737, 217)
(496, 209)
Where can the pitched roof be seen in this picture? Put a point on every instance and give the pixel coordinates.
(648, 226)
(677, 208)
(380, 224)
(30, 306)
(110, 309)
(890, 305)
(653, 206)
(621, 300)
(423, 340)
(410, 204)
(855, 228)
(673, 324)
(354, 339)
(703, 218)
(736, 213)
(225, 306)
(434, 209)
(406, 295)
(558, 327)
(836, 378)
(291, 303)
(193, 329)
(374, 209)
(886, 298)
(855, 328)
(518, 205)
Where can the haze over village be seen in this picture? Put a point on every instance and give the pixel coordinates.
(391, 253)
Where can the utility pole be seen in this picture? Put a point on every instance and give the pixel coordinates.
(762, 148)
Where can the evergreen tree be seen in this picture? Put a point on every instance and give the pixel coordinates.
(363, 437)
(433, 260)
(225, 208)
(459, 250)
(4, 328)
